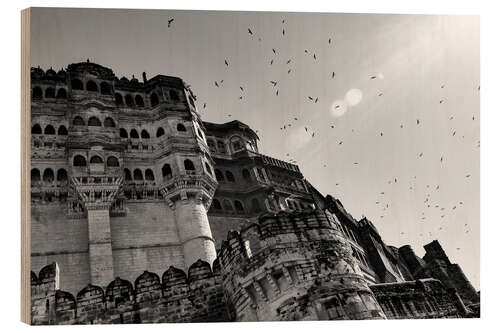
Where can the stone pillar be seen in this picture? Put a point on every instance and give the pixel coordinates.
(100, 251)
(194, 231)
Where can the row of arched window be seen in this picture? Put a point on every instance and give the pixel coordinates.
(104, 87)
(229, 176)
(236, 205)
(81, 161)
(50, 92)
(166, 171)
(48, 175)
(49, 130)
(137, 175)
(137, 100)
(94, 121)
(145, 134)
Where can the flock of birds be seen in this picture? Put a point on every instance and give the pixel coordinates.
(430, 205)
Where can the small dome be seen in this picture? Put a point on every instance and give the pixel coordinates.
(51, 72)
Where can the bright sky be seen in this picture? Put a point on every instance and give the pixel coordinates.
(390, 72)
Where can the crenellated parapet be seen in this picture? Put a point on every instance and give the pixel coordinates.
(294, 266)
(178, 297)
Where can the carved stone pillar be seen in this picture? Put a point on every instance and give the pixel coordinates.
(98, 194)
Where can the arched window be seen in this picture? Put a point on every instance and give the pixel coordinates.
(79, 161)
(78, 121)
(50, 93)
(49, 129)
(48, 175)
(144, 134)
(173, 95)
(160, 132)
(37, 93)
(123, 133)
(188, 165)
(154, 99)
(112, 161)
(138, 174)
(62, 130)
(96, 159)
(118, 99)
(237, 143)
(238, 206)
(36, 129)
(76, 84)
(105, 88)
(139, 101)
(62, 175)
(221, 146)
(129, 100)
(35, 175)
(61, 93)
(229, 176)
(216, 204)
(94, 121)
(128, 175)
(209, 168)
(181, 128)
(109, 122)
(227, 205)
(219, 176)
(134, 134)
(246, 175)
(166, 171)
(91, 86)
(149, 175)
(255, 205)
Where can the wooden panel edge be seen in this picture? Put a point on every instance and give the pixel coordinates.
(25, 167)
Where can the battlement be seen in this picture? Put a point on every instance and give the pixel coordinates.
(178, 297)
(294, 266)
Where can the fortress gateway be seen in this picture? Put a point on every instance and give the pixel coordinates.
(135, 203)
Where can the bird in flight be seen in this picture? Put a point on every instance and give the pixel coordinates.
(329, 40)
(283, 32)
(216, 84)
(310, 98)
(274, 83)
(204, 105)
(272, 60)
(289, 71)
(277, 92)
(316, 100)
(380, 94)
(333, 75)
(241, 88)
(250, 31)
(418, 121)
(225, 62)
(314, 56)
(288, 61)
(373, 77)
(169, 22)
(274, 51)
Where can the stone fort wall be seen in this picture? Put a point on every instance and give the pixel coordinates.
(146, 237)
(287, 266)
